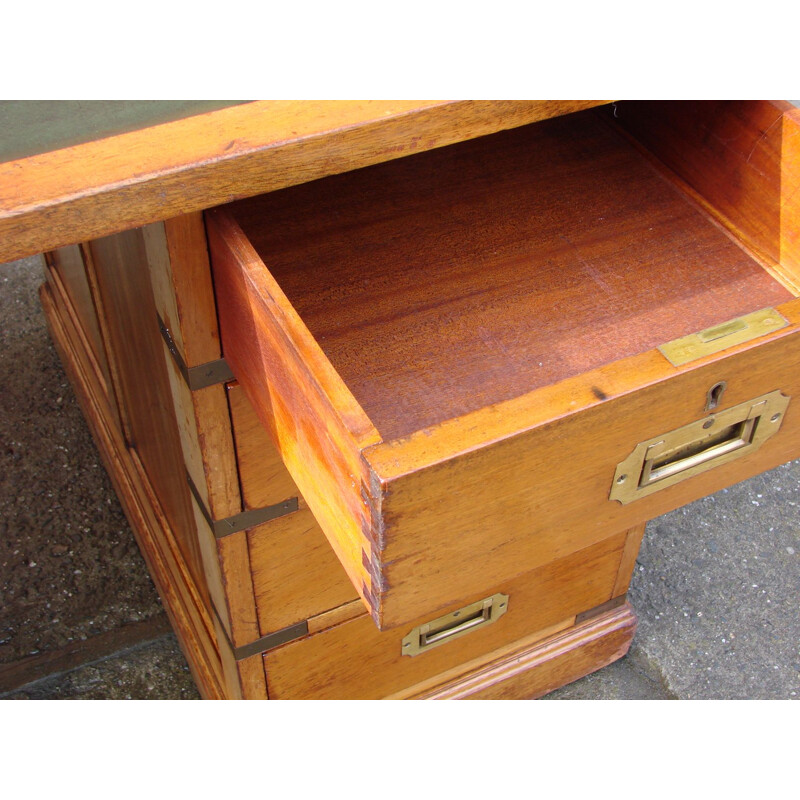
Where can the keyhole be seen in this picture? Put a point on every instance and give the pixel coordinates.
(715, 395)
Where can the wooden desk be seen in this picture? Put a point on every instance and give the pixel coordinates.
(234, 617)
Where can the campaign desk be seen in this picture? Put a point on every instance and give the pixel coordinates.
(388, 390)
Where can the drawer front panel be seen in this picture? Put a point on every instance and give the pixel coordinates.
(356, 661)
(538, 495)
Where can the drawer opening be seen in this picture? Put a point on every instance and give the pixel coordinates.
(454, 350)
(463, 277)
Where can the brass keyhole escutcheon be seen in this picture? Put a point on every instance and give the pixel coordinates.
(715, 395)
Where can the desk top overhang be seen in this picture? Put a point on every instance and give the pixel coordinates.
(103, 186)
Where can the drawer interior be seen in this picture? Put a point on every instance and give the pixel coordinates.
(452, 352)
(455, 279)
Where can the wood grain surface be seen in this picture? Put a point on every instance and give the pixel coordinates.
(459, 278)
(312, 418)
(490, 308)
(295, 573)
(355, 661)
(544, 667)
(741, 157)
(90, 190)
(526, 481)
(183, 600)
(263, 476)
(135, 347)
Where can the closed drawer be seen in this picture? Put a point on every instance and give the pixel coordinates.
(353, 660)
(455, 352)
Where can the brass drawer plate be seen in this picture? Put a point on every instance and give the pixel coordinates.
(721, 337)
(702, 445)
(454, 625)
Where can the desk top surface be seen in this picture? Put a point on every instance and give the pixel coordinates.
(66, 178)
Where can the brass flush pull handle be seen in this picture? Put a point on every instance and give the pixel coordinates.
(659, 464)
(427, 638)
(446, 629)
(688, 451)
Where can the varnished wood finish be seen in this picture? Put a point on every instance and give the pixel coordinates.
(183, 296)
(68, 275)
(296, 575)
(537, 471)
(449, 281)
(244, 677)
(465, 669)
(313, 419)
(102, 187)
(182, 598)
(354, 660)
(741, 157)
(546, 666)
(135, 347)
(336, 616)
(262, 474)
(790, 196)
(633, 541)
(190, 273)
(67, 262)
(450, 353)
(484, 315)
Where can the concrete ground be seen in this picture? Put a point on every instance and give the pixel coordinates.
(716, 586)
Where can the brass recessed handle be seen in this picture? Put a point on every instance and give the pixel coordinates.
(451, 626)
(702, 445)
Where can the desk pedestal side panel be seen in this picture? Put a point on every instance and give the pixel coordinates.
(184, 601)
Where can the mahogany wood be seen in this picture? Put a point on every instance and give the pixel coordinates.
(375, 322)
(67, 272)
(336, 616)
(354, 660)
(135, 346)
(102, 187)
(296, 574)
(742, 159)
(183, 297)
(310, 414)
(182, 598)
(633, 542)
(549, 665)
(459, 278)
(68, 263)
(389, 347)
(465, 669)
(536, 473)
(263, 476)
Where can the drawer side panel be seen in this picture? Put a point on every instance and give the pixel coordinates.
(313, 420)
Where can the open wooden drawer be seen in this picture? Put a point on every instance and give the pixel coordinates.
(456, 353)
